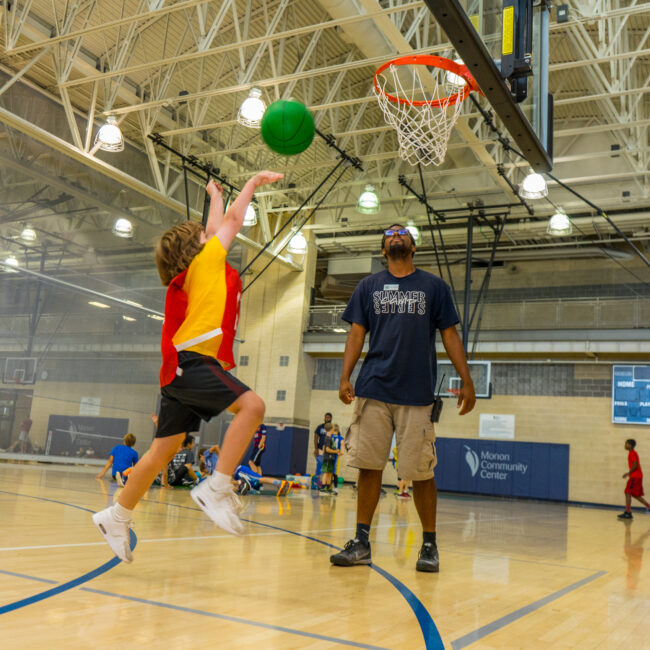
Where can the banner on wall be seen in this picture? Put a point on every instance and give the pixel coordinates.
(631, 394)
(517, 469)
(492, 425)
(83, 436)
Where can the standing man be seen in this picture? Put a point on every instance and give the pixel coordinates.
(319, 443)
(259, 445)
(401, 307)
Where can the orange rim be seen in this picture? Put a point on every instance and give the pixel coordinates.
(436, 62)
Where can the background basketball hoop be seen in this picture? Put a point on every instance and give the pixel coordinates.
(421, 97)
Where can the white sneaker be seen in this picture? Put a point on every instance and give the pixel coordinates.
(221, 505)
(115, 532)
(119, 479)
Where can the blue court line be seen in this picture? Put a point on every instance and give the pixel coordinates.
(200, 612)
(26, 577)
(484, 631)
(432, 639)
(236, 619)
(71, 584)
(63, 503)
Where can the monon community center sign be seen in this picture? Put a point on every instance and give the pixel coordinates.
(521, 469)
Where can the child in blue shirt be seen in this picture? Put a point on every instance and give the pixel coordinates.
(122, 457)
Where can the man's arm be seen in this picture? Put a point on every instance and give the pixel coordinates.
(234, 217)
(456, 353)
(316, 443)
(353, 347)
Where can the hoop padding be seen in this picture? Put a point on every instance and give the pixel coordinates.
(422, 106)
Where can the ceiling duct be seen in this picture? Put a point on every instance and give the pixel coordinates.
(359, 265)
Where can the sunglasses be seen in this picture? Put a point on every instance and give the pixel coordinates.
(401, 231)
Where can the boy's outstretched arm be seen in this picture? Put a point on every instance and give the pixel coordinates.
(234, 217)
(215, 216)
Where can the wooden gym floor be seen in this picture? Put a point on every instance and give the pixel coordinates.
(514, 574)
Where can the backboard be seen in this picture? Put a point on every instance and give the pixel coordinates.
(449, 381)
(504, 43)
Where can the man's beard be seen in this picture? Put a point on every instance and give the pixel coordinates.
(397, 250)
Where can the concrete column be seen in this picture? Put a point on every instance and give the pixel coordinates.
(274, 314)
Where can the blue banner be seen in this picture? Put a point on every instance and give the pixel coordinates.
(503, 468)
(286, 451)
(631, 394)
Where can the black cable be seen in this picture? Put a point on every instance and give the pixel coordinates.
(428, 208)
(305, 220)
(602, 213)
(505, 143)
(293, 216)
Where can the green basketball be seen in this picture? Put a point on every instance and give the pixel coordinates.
(287, 127)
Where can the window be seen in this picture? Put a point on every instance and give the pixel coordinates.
(281, 396)
(284, 361)
(243, 360)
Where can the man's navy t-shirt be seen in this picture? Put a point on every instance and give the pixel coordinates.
(321, 433)
(402, 316)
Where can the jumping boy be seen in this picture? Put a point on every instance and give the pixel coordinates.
(201, 311)
(634, 487)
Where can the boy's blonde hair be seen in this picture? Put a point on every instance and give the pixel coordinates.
(129, 440)
(328, 426)
(176, 249)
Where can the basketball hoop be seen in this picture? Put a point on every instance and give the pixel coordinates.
(423, 105)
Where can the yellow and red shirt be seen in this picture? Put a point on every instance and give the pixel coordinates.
(201, 310)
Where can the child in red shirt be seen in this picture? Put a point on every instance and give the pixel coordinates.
(634, 487)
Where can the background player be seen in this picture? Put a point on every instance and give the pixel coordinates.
(634, 486)
(259, 446)
(121, 457)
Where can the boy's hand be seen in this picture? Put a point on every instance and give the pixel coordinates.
(265, 177)
(214, 189)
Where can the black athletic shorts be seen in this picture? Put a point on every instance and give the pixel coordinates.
(256, 456)
(203, 390)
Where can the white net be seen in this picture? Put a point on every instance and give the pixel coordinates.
(422, 106)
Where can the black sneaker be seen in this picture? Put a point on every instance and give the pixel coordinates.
(428, 559)
(244, 485)
(355, 552)
(625, 515)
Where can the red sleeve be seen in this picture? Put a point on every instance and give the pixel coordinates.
(230, 318)
(631, 457)
(175, 307)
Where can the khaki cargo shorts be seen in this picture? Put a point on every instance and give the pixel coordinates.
(368, 439)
